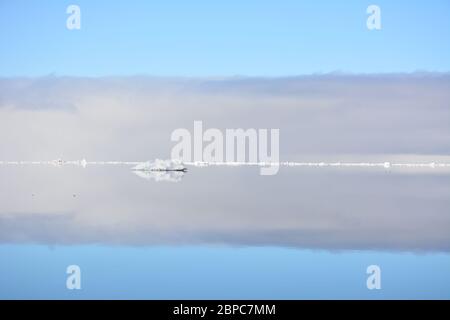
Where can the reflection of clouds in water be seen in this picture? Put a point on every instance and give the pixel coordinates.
(319, 117)
(327, 209)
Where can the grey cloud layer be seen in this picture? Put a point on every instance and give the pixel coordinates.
(317, 114)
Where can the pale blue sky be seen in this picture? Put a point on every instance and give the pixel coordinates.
(204, 38)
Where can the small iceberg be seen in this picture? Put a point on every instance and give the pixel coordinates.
(161, 165)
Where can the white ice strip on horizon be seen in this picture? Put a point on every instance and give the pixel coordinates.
(59, 162)
(385, 164)
(165, 165)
